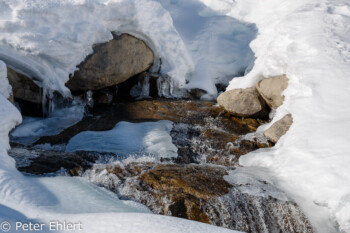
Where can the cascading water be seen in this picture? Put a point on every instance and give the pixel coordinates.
(253, 204)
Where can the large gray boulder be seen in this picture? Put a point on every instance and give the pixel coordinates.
(24, 88)
(271, 90)
(279, 128)
(112, 63)
(243, 103)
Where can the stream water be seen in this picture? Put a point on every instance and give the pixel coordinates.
(163, 132)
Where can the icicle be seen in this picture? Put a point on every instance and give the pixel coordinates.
(43, 101)
(142, 89)
(89, 99)
(116, 90)
(145, 88)
(165, 86)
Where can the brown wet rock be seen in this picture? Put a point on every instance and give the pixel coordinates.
(46, 162)
(203, 182)
(129, 170)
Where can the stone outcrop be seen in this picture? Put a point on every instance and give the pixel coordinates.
(112, 63)
(243, 103)
(271, 90)
(23, 88)
(279, 128)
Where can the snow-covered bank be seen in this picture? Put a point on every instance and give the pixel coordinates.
(307, 40)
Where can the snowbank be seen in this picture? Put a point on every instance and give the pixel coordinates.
(14, 190)
(309, 41)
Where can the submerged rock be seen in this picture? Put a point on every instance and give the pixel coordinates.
(112, 63)
(271, 90)
(243, 103)
(279, 128)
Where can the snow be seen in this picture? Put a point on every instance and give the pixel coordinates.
(46, 40)
(309, 41)
(125, 139)
(145, 223)
(32, 128)
(85, 197)
(218, 45)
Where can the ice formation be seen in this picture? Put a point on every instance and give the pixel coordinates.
(32, 128)
(127, 139)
